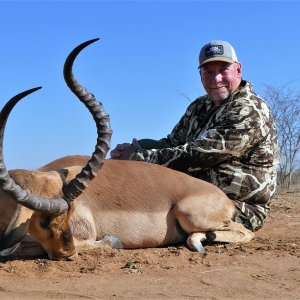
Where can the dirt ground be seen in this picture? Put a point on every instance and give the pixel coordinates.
(266, 268)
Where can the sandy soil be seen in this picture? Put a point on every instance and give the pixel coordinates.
(266, 268)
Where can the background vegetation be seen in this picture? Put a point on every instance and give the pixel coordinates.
(285, 105)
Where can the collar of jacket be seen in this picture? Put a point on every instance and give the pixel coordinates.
(244, 85)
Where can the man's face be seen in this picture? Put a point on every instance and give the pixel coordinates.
(220, 79)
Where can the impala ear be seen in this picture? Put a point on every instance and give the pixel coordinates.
(68, 173)
(16, 230)
(63, 173)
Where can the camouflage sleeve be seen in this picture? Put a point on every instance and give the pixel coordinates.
(154, 144)
(227, 134)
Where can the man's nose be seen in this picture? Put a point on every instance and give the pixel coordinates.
(217, 77)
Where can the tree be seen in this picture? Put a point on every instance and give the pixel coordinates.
(285, 105)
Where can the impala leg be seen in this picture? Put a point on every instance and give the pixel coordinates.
(198, 215)
(111, 241)
(233, 233)
(107, 242)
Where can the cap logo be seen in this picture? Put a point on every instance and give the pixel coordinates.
(214, 50)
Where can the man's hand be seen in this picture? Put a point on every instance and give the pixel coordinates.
(124, 151)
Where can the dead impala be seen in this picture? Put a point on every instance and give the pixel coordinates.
(68, 206)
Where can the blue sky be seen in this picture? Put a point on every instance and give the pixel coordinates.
(143, 69)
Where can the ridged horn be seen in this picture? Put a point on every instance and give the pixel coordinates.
(81, 181)
(8, 184)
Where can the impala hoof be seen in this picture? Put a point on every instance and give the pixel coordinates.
(196, 247)
(194, 242)
(113, 241)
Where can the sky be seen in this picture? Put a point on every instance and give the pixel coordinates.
(143, 69)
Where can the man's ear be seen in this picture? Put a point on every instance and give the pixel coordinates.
(239, 69)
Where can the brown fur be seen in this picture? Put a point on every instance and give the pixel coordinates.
(143, 205)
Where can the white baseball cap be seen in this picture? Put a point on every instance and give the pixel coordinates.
(217, 50)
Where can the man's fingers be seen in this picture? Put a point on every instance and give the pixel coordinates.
(123, 151)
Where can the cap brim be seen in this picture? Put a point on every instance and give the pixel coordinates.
(217, 58)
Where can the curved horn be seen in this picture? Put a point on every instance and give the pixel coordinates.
(8, 184)
(77, 185)
(81, 181)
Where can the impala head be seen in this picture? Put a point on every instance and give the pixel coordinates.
(44, 200)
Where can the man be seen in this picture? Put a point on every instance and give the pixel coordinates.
(227, 137)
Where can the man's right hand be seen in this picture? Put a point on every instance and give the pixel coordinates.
(124, 151)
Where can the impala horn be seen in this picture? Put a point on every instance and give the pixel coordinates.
(81, 181)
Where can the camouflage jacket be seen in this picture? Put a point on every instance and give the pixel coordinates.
(233, 146)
